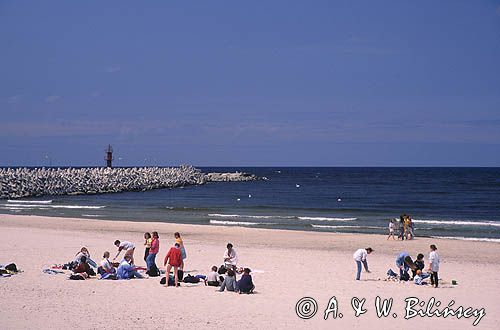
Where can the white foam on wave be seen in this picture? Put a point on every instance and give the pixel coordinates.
(76, 207)
(343, 227)
(476, 239)
(249, 216)
(326, 219)
(43, 206)
(459, 222)
(16, 201)
(233, 223)
(91, 215)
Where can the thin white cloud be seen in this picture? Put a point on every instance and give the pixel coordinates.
(113, 68)
(498, 11)
(52, 98)
(14, 99)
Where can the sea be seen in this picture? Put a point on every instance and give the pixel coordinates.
(459, 203)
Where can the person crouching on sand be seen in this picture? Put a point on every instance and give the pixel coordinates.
(360, 257)
(128, 247)
(174, 259)
(230, 257)
(245, 284)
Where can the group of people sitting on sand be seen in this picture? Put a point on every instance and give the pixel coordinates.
(404, 227)
(404, 263)
(224, 277)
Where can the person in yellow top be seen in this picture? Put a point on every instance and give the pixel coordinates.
(407, 227)
(147, 244)
(179, 241)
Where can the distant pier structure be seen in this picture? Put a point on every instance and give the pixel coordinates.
(109, 156)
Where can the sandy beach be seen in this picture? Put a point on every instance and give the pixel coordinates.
(289, 265)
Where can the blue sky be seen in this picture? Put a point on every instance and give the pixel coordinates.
(261, 83)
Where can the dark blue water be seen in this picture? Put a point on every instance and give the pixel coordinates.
(449, 202)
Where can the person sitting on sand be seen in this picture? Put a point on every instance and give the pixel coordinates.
(245, 284)
(147, 245)
(360, 257)
(85, 252)
(229, 282)
(127, 246)
(419, 277)
(106, 267)
(174, 259)
(230, 257)
(419, 264)
(84, 268)
(126, 269)
(213, 277)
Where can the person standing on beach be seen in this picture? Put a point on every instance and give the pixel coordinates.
(402, 227)
(179, 241)
(434, 265)
(360, 257)
(147, 245)
(391, 229)
(174, 259)
(153, 251)
(230, 257)
(128, 247)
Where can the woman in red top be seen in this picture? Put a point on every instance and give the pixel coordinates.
(153, 251)
(173, 259)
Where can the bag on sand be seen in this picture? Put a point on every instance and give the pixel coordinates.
(11, 268)
(191, 279)
(153, 271)
(163, 281)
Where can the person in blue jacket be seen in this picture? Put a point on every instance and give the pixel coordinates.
(126, 270)
(403, 262)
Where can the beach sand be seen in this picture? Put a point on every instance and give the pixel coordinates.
(288, 265)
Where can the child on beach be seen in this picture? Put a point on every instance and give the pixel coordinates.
(434, 265)
(419, 277)
(179, 241)
(391, 229)
(419, 264)
(147, 244)
(213, 277)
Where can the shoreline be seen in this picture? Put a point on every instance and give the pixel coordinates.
(154, 221)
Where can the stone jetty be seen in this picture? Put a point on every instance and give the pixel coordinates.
(31, 182)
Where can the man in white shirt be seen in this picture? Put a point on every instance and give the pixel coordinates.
(434, 265)
(128, 247)
(360, 257)
(230, 257)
